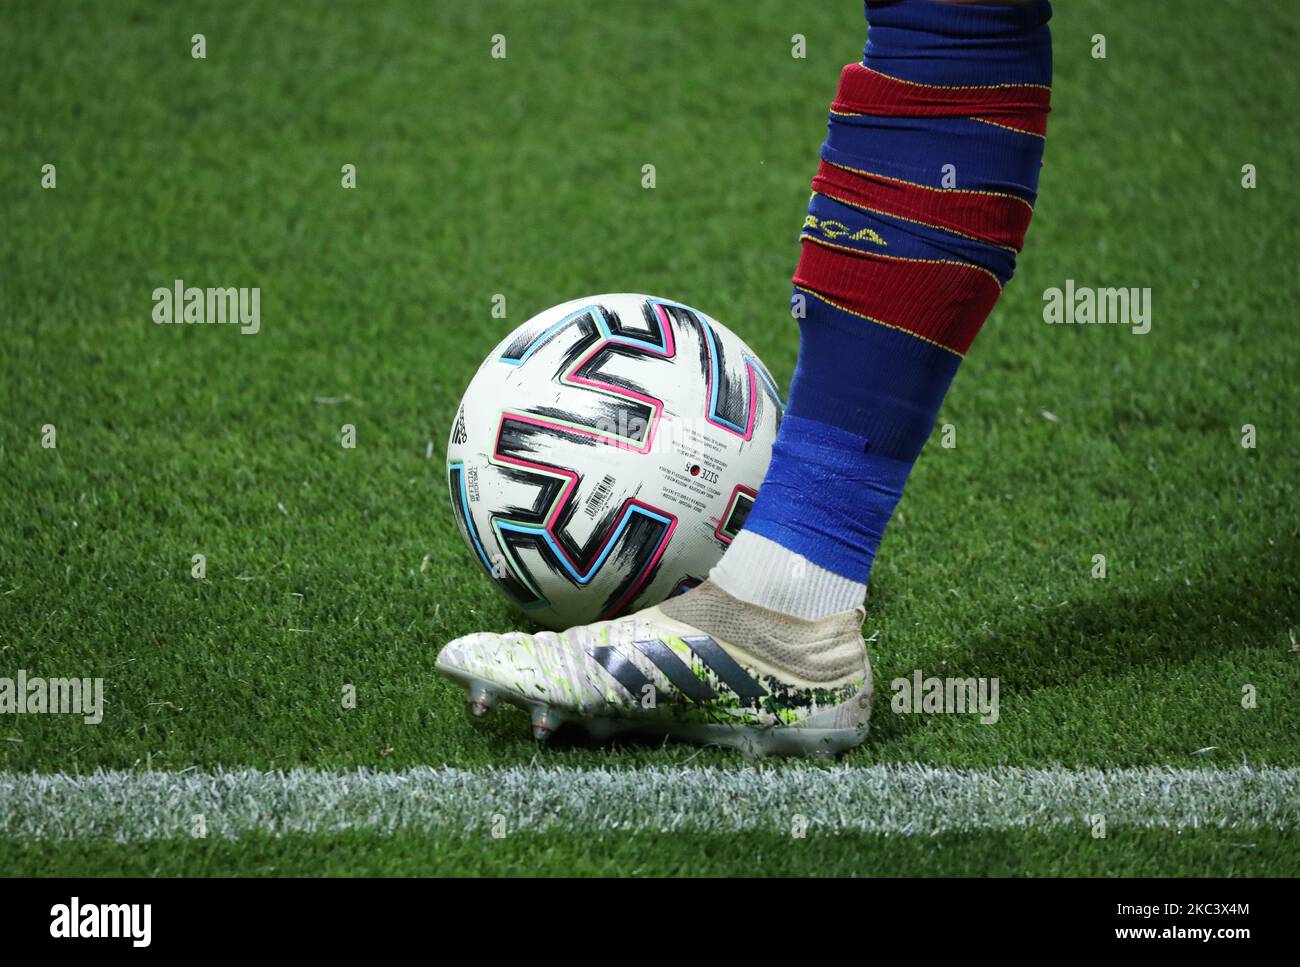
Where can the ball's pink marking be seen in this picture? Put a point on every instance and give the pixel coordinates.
(541, 467)
(633, 591)
(731, 502)
(666, 330)
(560, 502)
(656, 406)
(753, 395)
(753, 399)
(627, 510)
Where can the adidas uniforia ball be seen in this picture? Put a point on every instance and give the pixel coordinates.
(607, 452)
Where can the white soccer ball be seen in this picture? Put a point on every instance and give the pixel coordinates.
(607, 452)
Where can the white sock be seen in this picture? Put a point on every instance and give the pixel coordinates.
(764, 573)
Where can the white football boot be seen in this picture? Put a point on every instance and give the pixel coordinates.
(702, 667)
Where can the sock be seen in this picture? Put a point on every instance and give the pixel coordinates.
(761, 571)
(925, 190)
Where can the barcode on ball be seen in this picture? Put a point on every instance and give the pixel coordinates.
(599, 496)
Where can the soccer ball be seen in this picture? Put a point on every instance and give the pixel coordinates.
(607, 452)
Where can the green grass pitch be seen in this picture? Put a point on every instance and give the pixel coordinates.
(476, 176)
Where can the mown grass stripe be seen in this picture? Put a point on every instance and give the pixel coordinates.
(904, 800)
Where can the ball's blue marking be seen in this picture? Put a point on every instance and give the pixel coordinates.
(539, 530)
(458, 468)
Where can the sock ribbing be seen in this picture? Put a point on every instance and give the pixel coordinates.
(762, 572)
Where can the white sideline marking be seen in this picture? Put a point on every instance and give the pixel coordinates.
(898, 799)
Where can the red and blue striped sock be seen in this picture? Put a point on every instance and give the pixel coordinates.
(926, 186)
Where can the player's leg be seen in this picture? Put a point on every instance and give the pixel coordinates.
(924, 193)
(926, 186)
